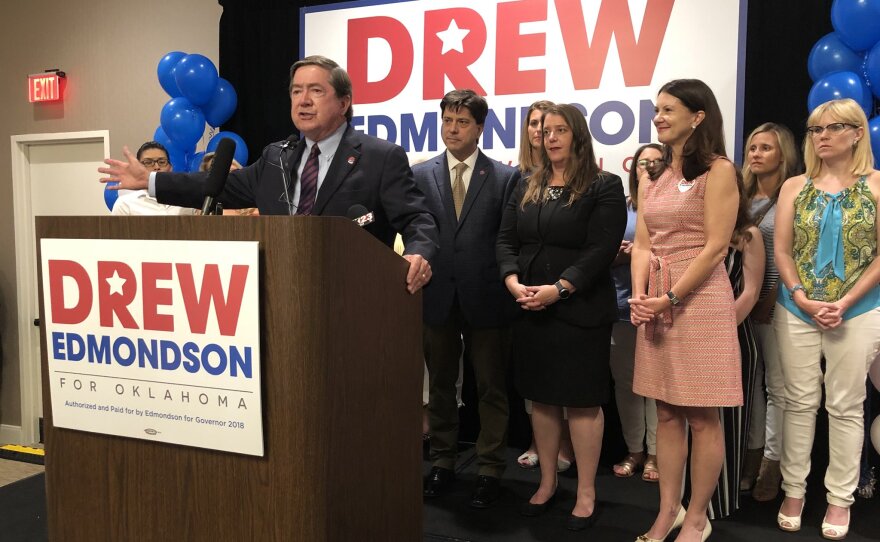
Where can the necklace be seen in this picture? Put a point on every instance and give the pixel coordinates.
(554, 192)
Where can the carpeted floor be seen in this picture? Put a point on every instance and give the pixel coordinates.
(23, 510)
(626, 509)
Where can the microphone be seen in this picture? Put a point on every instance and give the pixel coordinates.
(291, 140)
(217, 175)
(360, 215)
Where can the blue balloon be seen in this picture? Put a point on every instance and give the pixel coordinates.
(196, 76)
(178, 159)
(835, 86)
(222, 104)
(874, 131)
(857, 22)
(110, 196)
(195, 161)
(241, 150)
(165, 72)
(831, 55)
(183, 122)
(159, 136)
(872, 68)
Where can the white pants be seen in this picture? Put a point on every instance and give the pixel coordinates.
(638, 415)
(848, 351)
(769, 433)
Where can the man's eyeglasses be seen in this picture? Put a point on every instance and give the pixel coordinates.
(649, 163)
(149, 162)
(834, 128)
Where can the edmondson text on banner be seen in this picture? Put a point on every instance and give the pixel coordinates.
(156, 340)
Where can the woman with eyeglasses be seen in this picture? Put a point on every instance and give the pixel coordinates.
(687, 350)
(771, 158)
(827, 236)
(638, 415)
(559, 234)
(153, 156)
(531, 145)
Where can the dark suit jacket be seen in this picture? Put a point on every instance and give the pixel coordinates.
(465, 265)
(365, 171)
(576, 243)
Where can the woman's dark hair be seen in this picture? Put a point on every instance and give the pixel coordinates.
(706, 142)
(743, 215)
(581, 169)
(634, 175)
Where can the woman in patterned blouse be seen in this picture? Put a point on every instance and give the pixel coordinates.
(826, 252)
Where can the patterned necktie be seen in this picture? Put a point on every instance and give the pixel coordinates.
(308, 183)
(458, 190)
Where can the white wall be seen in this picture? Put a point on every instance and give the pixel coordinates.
(109, 50)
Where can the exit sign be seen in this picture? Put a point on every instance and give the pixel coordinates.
(46, 87)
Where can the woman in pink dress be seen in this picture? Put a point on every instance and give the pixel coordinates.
(687, 352)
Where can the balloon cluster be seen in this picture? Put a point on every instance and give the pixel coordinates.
(199, 96)
(846, 62)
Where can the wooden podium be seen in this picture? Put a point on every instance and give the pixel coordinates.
(342, 380)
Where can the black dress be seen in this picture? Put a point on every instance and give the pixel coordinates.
(735, 421)
(561, 354)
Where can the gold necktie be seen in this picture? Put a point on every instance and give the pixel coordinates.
(458, 187)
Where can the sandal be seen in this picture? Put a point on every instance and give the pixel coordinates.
(651, 473)
(835, 532)
(628, 466)
(528, 460)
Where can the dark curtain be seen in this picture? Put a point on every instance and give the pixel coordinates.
(259, 40)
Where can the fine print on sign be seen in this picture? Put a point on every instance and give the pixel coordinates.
(157, 340)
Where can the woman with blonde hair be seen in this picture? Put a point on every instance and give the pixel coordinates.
(827, 236)
(531, 139)
(771, 158)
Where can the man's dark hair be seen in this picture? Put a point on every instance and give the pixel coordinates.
(467, 99)
(339, 79)
(152, 145)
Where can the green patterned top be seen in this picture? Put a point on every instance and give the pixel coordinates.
(835, 238)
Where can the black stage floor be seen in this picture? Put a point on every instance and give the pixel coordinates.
(626, 509)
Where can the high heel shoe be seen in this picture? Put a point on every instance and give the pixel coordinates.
(835, 532)
(707, 530)
(679, 520)
(532, 510)
(790, 524)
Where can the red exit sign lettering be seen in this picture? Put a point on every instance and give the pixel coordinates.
(45, 87)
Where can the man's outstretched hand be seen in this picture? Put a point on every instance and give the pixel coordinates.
(131, 174)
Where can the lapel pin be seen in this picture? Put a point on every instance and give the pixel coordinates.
(482, 172)
(350, 160)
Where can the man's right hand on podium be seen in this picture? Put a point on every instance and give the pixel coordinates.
(131, 175)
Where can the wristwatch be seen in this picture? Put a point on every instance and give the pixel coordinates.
(564, 293)
(673, 299)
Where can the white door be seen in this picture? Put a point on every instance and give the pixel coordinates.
(52, 175)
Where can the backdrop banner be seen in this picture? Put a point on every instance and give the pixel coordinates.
(609, 57)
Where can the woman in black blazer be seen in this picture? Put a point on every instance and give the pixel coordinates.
(559, 234)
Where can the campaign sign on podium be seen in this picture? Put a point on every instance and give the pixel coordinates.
(156, 340)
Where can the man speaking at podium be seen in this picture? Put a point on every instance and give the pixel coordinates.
(332, 169)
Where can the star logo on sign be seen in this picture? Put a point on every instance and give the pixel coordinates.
(453, 38)
(116, 283)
